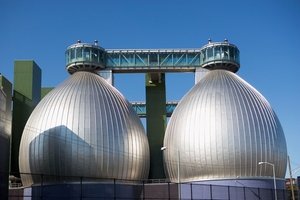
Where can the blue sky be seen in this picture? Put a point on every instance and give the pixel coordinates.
(267, 34)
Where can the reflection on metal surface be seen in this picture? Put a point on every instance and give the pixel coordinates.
(223, 127)
(84, 127)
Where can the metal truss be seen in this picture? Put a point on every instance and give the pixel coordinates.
(211, 56)
(117, 58)
(140, 108)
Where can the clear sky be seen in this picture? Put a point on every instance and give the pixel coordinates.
(266, 32)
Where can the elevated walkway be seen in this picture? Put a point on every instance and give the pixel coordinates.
(214, 55)
(211, 56)
(140, 108)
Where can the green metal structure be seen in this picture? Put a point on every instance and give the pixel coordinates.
(156, 122)
(45, 91)
(26, 95)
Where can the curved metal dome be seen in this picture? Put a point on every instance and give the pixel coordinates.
(85, 128)
(223, 128)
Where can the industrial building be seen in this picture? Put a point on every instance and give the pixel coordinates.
(84, 140)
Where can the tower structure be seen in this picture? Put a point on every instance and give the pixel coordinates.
(26, 95)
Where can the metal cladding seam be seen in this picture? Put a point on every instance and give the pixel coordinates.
(223, 128)
(84, 127)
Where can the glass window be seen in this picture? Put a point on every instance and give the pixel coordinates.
(178, 58)
(72, 54)
(217, 52)
(165, 59)
(67, 57)
(192, 58)
(209, 52)
(231, 53)
(101, 56)
(95, 55)
(153, 59)
(141, 59)
(127, 59)
(113, 60)
(237, 55)
(78, 53)
(203, 56)
(87, 53)
(224, 52)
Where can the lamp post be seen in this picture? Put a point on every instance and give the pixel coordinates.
(291, 178)
(260, 163)
(178, 164)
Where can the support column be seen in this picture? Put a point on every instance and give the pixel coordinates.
(107, 75)
(200, 73)
(156, 121)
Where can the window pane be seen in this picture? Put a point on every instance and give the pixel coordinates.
(87, 54)
(209, 53)
(95, 55)
(224, 52)
(231, 53)
(203, 56)
(78, 53)
(217, 52)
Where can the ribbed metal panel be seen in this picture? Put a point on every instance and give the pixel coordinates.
(223, 128)
(84, 127)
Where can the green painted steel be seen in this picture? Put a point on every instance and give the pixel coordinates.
(156, 124)
(45, 91)
(26, 95)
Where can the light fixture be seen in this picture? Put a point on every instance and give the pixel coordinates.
(275, 192)
(178, 179)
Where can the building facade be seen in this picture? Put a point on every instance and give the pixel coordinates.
(5, 133)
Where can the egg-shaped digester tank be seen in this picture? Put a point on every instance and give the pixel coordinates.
(83, 128)
(222, 129)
